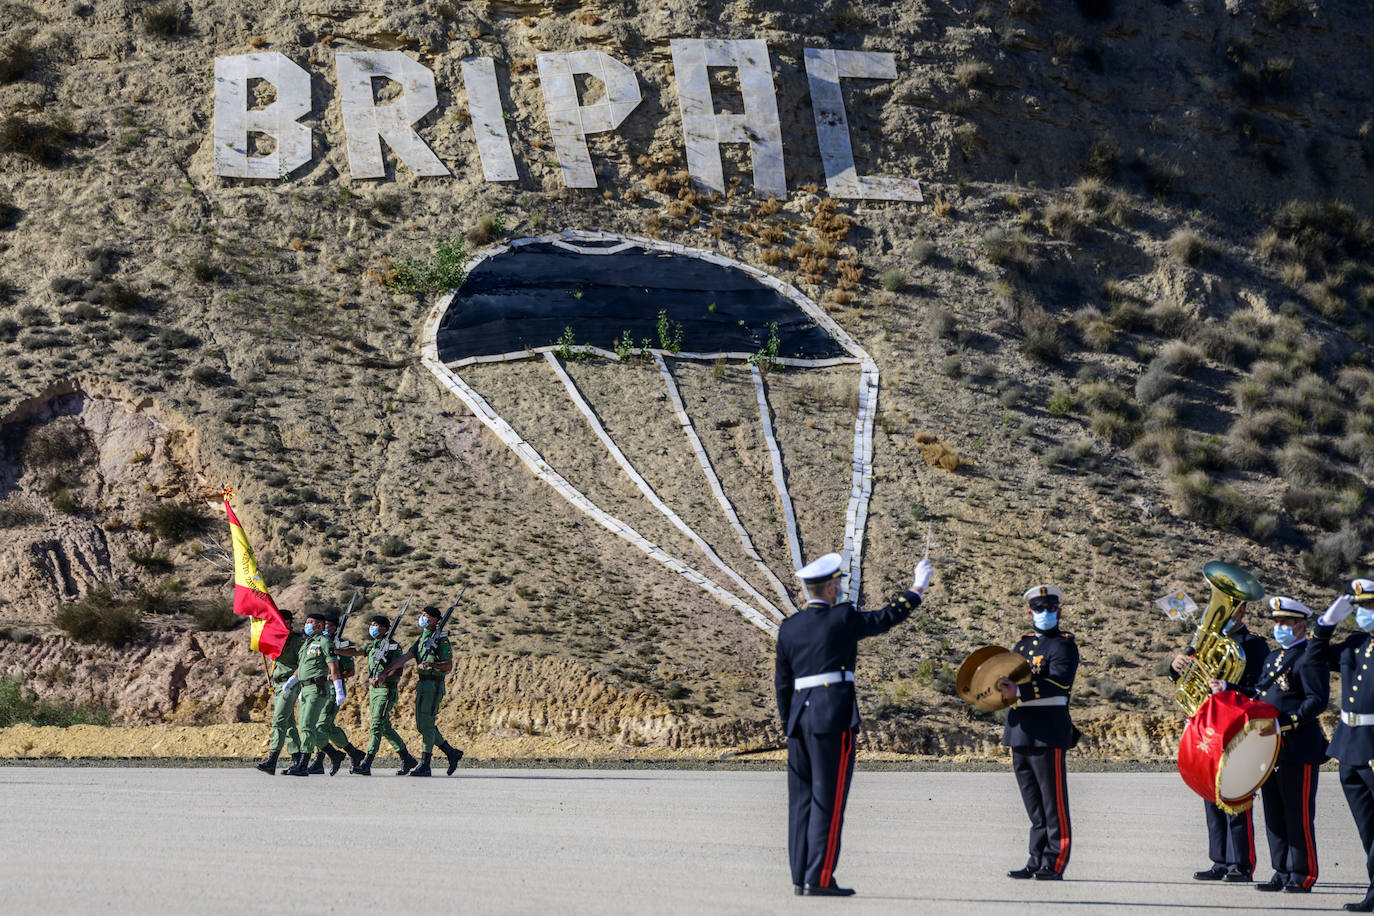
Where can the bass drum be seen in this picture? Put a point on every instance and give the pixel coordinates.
(1228, 750)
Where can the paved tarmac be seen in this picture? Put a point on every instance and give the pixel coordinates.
(190, 841)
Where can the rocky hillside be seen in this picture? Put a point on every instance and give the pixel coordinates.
(1125, 333)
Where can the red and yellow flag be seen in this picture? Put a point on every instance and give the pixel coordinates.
(269, 630)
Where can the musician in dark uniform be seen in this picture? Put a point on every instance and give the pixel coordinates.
(814, 680)
(1353, 742)
(1039, 731)
(1231, 837)
(1297, 683)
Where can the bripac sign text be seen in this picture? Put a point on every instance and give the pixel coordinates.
(366, 123)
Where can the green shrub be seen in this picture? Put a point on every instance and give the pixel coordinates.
(208, 376)
(1104, 156)
(1331, 557)
(1154, 383)
(1042, 341)
(392, 546)
(101, 617)
(15, 56)
(203, 268)
(1299, 464)
(921, 251)
(21, 706)
(894, 281)
(943, 322)
(177, 339)
(952, 367)
(174, 521)
(1060, 403)
(1179, 357)
(442, 272)
(1113, 427)
(64, 501)
(219, 616)
(154, 562)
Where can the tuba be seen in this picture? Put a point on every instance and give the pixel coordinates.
(1215, 655)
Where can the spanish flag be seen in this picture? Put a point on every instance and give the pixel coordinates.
(269, 630)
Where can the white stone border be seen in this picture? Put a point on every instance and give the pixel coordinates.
(645, 489)
(779, 475)
(580, 241)
(704, 461)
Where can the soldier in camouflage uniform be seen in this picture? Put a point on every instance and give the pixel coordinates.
(433, 661)
(319, 664)
(284, 702)
(381, 699)
(335, 735)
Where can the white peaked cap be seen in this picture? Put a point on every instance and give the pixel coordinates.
(1042, 591)
(827, 567)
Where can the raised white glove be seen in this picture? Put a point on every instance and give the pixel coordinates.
(924, 570)
(292, 681)
(1340, 609)
(339, 694)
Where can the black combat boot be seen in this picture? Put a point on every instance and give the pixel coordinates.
(269, 766)
(336, 758)
(423, 768)
(355, 756)
(317, 765)
(295, 759)
(453, 754)
(363, 767)
(407, 763)
(301, 767)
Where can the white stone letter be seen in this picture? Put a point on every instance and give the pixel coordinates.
(234, 122)
(488, 123)
(824, 70)
(569, 120)
(366, 124)
(705, 130)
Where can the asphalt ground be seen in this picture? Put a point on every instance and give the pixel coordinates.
(189, 841)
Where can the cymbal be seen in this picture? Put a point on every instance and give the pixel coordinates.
(977, 678)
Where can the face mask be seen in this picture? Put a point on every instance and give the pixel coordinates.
(1283, 634)
(308, 629)
(374, 631)
(1045, 620)
(1364, 618)
(424, 623)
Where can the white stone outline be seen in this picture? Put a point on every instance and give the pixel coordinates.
(578, 240)
(779, 475)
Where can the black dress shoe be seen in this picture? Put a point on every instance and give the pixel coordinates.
(1215, 873)
(1364, 906)
(1048, 874)
(1238, 877)
(1296, 889)
(830, 890)
(1022, 873)
(797, 889)
(1273, 884)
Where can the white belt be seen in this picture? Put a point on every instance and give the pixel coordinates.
(1048, 701)
(818, 680)
(1357, 718)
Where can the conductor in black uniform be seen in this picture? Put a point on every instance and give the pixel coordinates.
(814, 680)
(1296, 682)
(1039, 731)
(1231, 837)
(1353, 741)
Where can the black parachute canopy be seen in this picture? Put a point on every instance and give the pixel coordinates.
(526, 297)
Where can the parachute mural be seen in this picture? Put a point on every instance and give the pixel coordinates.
(635, 377)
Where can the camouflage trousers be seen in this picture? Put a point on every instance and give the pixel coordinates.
(428, 695)
(380, 702)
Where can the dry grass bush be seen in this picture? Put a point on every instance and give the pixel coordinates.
(1155, 382)
(1196, 496)
(772, 235)
(1271, 374)
(850, 273)
(1113, 427)
(943, 208)
(163, 20)
(659, 181)
(972, 73)
(42, 140)
(1170, 319)
(1103, 395)
(1248, 395)
(1188, 247)
(771, 256)
(1041, 340)
(1104, 156)
(768, 207)
(1333, 557)
(943, 322)
(1096, 196)
(15, 57)
(1096, 332)
(1243, 452)
(1302, 465)
(937, 452)
(894, 281)
(1179, 357)
(1064, 220)
(1325, 234)
(921, 251)
(1326, 299)
(101, 617)
(1357, 382)
(54, 446)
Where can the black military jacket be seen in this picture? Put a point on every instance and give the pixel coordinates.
(819, 640)
(1297, 683)
(1351, 745)
(1053, 657)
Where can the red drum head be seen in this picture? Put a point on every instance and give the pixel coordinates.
(1223, 756)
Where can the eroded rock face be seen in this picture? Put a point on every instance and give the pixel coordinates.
(77, 469)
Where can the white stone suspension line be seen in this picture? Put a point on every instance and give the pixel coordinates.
(779, 479)
(856, 517)
(541, 469)
(713, 481)
(647, 491)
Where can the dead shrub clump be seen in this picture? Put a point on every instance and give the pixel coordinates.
(938, 453)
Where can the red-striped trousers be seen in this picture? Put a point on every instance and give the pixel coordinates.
(819, 770)
(1041, 774)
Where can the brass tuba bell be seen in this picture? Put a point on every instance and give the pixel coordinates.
(1216, 655)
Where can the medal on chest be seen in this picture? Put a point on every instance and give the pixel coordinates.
(1037, 662)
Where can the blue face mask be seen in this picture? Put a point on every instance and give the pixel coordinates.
(1045, 620)
(1364, 618)
(1230, 625)
(424, 622)
(308, 629)
(374, 631)
(1283, 634)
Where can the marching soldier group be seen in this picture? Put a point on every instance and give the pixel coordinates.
(308, 688)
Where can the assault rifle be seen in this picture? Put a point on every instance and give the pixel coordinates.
(378, 660)
(339, 641)
(439, 630)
